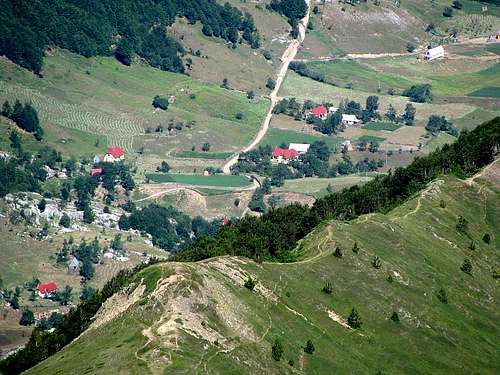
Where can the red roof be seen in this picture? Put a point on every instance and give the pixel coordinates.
(116, 152)
(285, 153)
(47, 288)
(319, 111)
(94, 171)
(226, 221)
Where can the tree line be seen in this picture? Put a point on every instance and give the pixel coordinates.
(25, 116)
(122, 27)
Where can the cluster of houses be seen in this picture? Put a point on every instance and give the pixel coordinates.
(322, 113)
(113, 155)
(294, 150)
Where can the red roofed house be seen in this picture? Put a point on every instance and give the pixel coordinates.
(320, 112)
(94, 171)
(114, 154)
(46, 290)
(283, 155)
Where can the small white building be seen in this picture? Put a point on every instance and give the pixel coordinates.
(301, 148)
(347, 146)
(350, 120)
(332, 110)
(434, 53)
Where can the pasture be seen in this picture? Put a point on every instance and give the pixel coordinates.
(317, 187)
(203, 155)
(219, 181)
(380, 125)
(487, 91)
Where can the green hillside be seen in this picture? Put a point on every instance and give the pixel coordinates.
(199, 318)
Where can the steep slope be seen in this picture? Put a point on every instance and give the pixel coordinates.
(199, 318)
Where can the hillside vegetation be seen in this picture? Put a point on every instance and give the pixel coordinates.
(199, 318)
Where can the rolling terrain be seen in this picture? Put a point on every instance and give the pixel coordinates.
(199, 318)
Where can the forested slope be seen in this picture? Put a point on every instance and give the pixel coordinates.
(122, 27)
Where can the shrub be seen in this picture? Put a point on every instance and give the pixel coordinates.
(277, 350)
(270, 84)
(448, 12)
(457, 4)
(355, 248)
(338, 252)
(309, 348)
(466, 266)
(27, 318)
(419, 93)
(442, 296)
(239, 116)
(205, 147)
(376, 263)
(462, 225)
(395, 317)
(327, 288)
(160, 102)
(267, 55)
(42, 204)
(354, 320)
(410, 47)
(390, 278)
(65, 221)
(487, 238)
(250, 283)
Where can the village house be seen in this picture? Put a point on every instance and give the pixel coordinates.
(347, 146)
(332, 109)
(114, 154)
(301, 148)
(320, 112)
(95, 171)
(350, 120)
(283, 155)
(46, 290)
(434, 53)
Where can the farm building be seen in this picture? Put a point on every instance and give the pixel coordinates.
(347, 146)
(332, 109)
(283, 155)
(46, 290)
(114, 154)
(350, 120)
(320, 112)
(434, 53)
(301, 148)
(73, 266)
(98, 159)
(95, 171)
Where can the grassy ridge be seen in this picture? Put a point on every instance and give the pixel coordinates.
(419, 247)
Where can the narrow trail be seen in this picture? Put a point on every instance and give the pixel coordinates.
(471, 180)
(286, 59)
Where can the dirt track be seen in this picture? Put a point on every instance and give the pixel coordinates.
(287, 57)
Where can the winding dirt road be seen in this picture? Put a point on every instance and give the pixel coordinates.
(286, 58)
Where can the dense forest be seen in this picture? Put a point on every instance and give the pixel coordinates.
(122, 27)
(274, 235)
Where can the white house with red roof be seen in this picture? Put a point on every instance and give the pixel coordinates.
(114, 154)
(47, 290)
(284, 155)
(320, 112)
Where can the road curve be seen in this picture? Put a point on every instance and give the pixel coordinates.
(286, 58)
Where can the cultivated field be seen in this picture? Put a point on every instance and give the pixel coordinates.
(219, 181)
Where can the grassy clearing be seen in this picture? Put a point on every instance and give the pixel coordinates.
(200, 180)
(419, 247)
(203, 155)
(317, 186)
(438, 141)
(276, 137)
(488, 91)
(389, 126)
